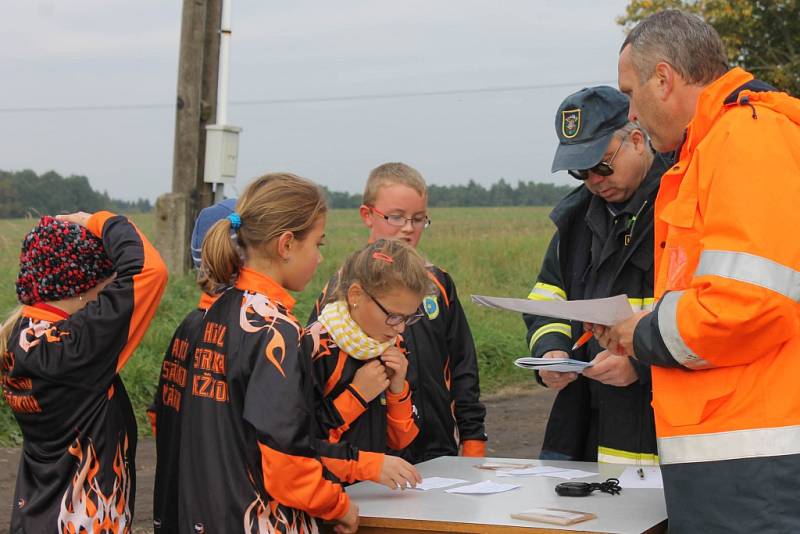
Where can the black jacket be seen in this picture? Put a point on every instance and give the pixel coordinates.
(598, 251)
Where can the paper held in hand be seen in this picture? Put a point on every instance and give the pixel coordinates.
(565, 365)
(608, 311)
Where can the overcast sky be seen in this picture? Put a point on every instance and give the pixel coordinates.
(125, 52)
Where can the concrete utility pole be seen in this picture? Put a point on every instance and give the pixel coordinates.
(195, 108)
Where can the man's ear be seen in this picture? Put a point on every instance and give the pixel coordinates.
(364, 212)
(665, 78)
(639, 140)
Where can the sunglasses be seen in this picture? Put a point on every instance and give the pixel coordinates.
(394, 319)
(604, 168)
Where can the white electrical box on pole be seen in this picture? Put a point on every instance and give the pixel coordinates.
(222, 140)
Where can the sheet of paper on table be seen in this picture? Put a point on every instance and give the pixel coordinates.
(546, 471)
(485, 487)
(430, 483)
(565, 365)
(652, 478)
(494, 466)
(607, 311)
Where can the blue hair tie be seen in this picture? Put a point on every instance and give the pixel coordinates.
(236, 220)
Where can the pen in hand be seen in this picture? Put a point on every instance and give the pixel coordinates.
(586, 336)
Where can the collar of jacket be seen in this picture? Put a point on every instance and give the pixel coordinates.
(250, 280)
(710, 105)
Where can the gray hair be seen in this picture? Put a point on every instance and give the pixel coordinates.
(692, 46)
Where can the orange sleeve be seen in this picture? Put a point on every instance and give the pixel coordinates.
(298, 482)
(401, 428)
(367, 467)
(473, 447)
(148, 287)
(350, 407)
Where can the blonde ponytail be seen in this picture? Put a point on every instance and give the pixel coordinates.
(268, 207)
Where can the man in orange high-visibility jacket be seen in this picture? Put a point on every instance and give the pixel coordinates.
(724, 338)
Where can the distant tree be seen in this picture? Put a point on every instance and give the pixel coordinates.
(24, 193)
(761, 36)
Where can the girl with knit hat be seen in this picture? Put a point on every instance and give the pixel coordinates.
(248, 461)
(89, 286)
(360, 362)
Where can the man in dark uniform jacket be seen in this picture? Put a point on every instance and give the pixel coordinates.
(603, 246)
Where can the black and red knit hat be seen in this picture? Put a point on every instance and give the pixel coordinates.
(59, 260)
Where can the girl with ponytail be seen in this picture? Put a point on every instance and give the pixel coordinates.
(248, 461)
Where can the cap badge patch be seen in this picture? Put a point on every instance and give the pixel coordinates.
(570, 122)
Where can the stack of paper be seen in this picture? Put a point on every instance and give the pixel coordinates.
(562, 365)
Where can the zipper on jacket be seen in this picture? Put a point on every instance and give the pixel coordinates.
(632, 224)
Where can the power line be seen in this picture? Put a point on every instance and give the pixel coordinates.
(310, 100)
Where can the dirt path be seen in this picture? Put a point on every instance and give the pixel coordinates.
(515, 423)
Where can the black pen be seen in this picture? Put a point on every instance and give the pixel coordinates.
(640, 471)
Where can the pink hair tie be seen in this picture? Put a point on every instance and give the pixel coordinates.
(383, 257)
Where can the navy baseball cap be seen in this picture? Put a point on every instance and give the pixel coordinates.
(205, 220)
(585, 122)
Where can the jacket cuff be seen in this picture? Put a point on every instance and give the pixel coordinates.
(474, 448)
(369, 465)
(648, 345)
(398, 405)
(97, 221)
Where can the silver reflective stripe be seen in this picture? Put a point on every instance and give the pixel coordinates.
(753, 443)
(668, 324)
(751, 269)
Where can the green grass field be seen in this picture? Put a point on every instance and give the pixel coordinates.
(494, 251)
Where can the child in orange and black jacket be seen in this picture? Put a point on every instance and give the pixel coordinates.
(165, 411)
(89, 286)
(248, 460)
(360, 365)
(443, 364)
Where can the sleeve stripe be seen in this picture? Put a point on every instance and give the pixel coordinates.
(560, 328)
(642, 304)
(542, 291)
(750, 269)
(668, 326)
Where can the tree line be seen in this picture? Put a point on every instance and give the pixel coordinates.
(500, 193)
(25, 193)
